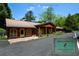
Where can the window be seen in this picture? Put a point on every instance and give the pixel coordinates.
(21, 31)
(13, 32)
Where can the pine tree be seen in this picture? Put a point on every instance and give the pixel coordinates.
(5, 12)
(29, 16)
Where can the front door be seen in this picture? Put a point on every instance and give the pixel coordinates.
(33, 31)
(22, 33)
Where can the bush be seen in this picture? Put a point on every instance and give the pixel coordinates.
(67, 29)
(59, 33)
(2, 34)
(2, 30)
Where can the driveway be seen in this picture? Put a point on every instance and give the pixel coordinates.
(41, 47)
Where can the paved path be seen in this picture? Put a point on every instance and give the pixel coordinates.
(40, 47)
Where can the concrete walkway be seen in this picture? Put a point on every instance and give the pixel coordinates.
(22, 39)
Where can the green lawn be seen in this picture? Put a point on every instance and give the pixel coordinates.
(58, 33)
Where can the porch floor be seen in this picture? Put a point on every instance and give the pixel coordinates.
(22, 39)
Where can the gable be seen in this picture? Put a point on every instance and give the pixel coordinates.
(46, 25)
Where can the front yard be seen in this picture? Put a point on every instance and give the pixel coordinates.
(58, 33)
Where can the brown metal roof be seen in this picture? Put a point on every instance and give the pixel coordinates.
(16, 23)
(24, 24)
(45, 24)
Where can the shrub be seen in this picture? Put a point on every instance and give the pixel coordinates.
(2, 30)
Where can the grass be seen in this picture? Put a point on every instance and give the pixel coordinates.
(58, 33)
(52, 34)
(75, 31)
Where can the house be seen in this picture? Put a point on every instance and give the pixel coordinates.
(59, 29)
(16, 29)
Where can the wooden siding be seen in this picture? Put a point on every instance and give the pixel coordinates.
(13, 32)
(16, 32)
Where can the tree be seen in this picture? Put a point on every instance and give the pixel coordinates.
(28, 16)
(5, 12)
(48, 15)
(41, 21)
(70, 23)
(76, 17)
(60, 21)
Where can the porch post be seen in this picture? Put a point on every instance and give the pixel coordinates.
(24, 32)
(8, 33)
(39, 32)
(46, 31)
(51, 30)
(18, 32)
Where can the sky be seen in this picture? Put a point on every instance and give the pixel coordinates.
(62, 9)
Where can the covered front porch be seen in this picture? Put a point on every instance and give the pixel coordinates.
(45, 29)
